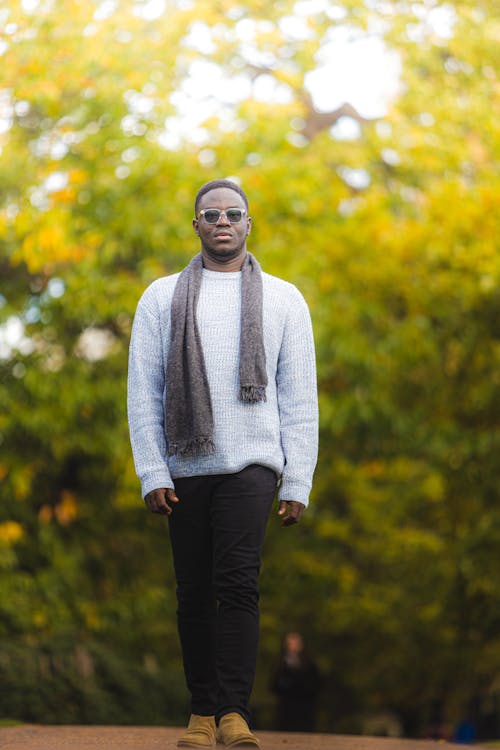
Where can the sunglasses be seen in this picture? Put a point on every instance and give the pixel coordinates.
(212, 215)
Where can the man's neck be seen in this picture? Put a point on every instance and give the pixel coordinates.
(229, 266)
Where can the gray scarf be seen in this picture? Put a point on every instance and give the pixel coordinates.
(189, 418)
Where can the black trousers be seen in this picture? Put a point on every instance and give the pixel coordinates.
(217, 531)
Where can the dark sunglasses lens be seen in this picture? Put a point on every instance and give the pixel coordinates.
(212, 216)
(234, 215)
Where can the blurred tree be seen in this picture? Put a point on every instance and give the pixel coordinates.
(389, 225)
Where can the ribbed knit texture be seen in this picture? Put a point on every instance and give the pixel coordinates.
(281, 432)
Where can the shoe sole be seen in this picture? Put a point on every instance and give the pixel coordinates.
(244, 743)
(186, 743)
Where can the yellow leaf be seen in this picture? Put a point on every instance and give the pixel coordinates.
(67, 510)
(45, 514)
(11, 532)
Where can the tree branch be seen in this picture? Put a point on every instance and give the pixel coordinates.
(315, 121)
(318, 121)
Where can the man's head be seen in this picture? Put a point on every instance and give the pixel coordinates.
(214, 185)
(293, 643)
(222, 223)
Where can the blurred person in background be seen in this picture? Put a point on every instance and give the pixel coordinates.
(222, 404)
(296, 683)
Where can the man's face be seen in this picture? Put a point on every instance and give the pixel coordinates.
(294, 643)
(223, 240)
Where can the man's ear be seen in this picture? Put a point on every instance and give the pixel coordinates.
(249, 225)
(195, 226)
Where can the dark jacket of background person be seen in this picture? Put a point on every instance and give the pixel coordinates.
(296, 683)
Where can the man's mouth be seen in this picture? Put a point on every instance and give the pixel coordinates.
(223, 236)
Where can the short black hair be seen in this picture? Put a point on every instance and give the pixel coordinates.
(214, 185)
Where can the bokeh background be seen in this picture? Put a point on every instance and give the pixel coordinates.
(366, 135)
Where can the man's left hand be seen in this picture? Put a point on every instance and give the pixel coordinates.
(293, 510)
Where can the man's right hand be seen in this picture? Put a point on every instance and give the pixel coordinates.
(158, 501)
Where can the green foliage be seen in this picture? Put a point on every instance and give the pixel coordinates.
(392, 577)
(65, 682)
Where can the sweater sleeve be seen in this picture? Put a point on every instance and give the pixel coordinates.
(145, 398)
(298, 402)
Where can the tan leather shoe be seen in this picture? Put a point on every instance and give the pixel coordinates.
(234, 732)
(199, 733)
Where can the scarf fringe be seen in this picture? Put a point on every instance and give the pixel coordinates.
(201, 446)
(252, 394)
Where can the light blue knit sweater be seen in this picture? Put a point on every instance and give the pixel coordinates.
(281, 433)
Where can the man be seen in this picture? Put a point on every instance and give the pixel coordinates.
(222, 406)
(296, 683)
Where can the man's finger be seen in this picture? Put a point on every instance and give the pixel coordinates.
(171, 496)
(295, 510)
(160, 506)
(286, 506)
(289, 520)
(157, 502)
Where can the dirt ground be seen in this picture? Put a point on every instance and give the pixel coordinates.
(36, 737)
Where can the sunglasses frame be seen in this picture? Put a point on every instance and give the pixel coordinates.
(222, 211)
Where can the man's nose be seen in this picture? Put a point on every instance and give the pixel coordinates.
(223, 218)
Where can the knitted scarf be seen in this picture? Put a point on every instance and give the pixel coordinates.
(189, 416)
